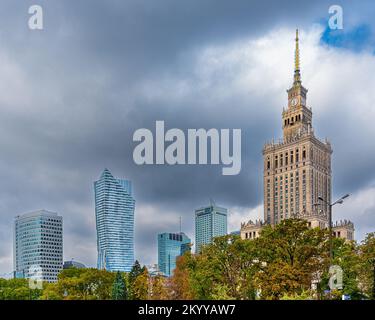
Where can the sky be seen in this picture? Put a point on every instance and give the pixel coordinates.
(72, 95)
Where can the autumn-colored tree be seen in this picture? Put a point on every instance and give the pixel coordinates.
(136, 271)
(180, 286)
(140, 286)
(291, 256)
(159, 288)
(224, 269)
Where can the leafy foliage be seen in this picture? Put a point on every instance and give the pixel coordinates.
(282, 263)
(119, 290)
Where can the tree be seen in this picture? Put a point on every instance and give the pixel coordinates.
(119, 290)
(346, 256)
(180, 286)
(51, 292)
(83, 284)
(367, 266)
(135, 271)
(140, 286)
(231, 264)
(18, 289)
(224, 268)
(159, 288)
(292, 255)
(304, 295)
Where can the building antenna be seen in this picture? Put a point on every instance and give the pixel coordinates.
(212, 203)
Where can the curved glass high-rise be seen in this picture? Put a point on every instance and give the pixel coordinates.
(114, 210)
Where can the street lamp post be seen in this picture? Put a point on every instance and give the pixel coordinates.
(330, 205)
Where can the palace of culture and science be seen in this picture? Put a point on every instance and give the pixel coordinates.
(297, 170)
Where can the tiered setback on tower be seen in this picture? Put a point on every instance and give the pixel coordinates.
(297, 169)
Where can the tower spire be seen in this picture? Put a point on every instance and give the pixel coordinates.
(297, 74)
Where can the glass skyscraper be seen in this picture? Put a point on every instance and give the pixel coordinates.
(170, 246)
(114, 211)
(38, 245)
(210, 222)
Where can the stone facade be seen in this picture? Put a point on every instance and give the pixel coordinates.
(250, 229)
(297, 168)
(343, 229)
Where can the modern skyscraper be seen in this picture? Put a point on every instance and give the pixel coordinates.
(170, 246)
(38, 245)
(114, 210)
(210, 222)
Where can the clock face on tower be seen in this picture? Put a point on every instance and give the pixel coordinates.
(294, 102)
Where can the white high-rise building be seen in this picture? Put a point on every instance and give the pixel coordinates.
(38, 245)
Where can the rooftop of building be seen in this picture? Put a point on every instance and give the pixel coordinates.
(41, 212)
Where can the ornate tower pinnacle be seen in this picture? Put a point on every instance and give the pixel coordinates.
(297, 74)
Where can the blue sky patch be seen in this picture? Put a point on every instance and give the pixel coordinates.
(355, 39)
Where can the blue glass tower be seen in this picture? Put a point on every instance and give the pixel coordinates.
(210, 222)
(170, 246)
(114, 211)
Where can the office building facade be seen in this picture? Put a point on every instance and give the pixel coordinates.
(114, 211)
(170, 246)
(210, 222)
(38, 245)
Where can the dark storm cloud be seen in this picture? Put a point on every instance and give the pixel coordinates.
(73, 94)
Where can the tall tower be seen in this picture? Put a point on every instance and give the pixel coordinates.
(114, 210)
(38, 245)
(210, 222)
(297, 169)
